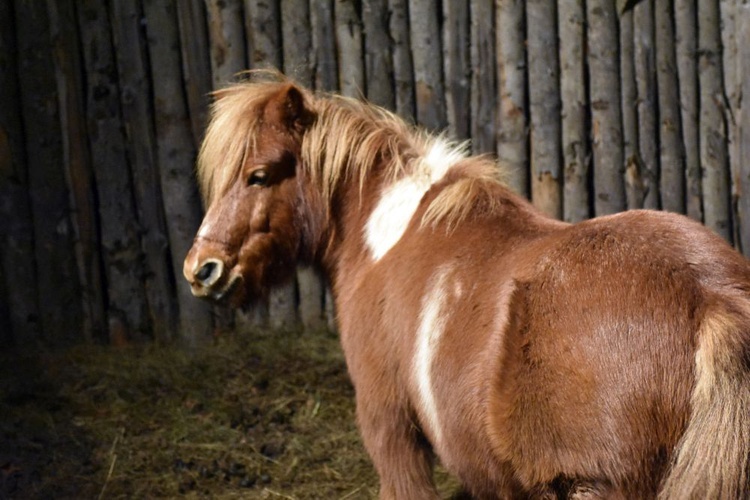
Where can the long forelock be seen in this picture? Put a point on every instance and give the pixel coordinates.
(235, 121)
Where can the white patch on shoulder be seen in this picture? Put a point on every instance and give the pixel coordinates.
(398, 202)
(431, 327)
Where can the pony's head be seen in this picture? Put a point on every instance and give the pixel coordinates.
(250, 237)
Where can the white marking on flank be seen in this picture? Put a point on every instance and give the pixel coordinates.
(391, 216)
(430, 330)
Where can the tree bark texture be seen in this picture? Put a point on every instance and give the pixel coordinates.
(296, 40)
(140, 138)
(350, 53)
(227, 40)
(743, 175)
(544, 106)
(671, 151)
(402, 62)
(483, 93)
(324, 45)
(378, 58)
(119, 238)
(301, 300)
(634, 188)
(512, 136)
(686, 46)
(16, 227)
(263, 32)
(645, 72)
(606, 113)
(728, 11)
(196, 62)
(572, 17)
(175, 158)
(428, 69)
(713, 141)
(54, 129)
(458, 68)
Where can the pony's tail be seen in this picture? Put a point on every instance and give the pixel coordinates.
(712, 459)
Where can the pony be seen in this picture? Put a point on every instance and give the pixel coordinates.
(533, 358)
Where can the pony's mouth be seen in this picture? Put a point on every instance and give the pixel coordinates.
(221, 295)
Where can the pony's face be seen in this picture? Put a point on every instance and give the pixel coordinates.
(248, 240)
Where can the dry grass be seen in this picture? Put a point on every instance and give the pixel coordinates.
(267, 415)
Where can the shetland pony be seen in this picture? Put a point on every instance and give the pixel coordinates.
(533, 358)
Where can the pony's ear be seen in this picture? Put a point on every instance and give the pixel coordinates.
(289, 108)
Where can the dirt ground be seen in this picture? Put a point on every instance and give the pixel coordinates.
(263, 415)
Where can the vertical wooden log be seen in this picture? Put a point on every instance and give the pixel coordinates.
(326, 78)
(686, 45)
(16, 227)
(175, 157)
(728, 11)
(713, 142)
(483, 93)
(645, 71)
(137, 113)
(349, 40)
(120, 246)
(743, 177)
(263, 30)
(572, 19)
(606, 113)
(325, 69)
(672, 156)
(6, 327)
(263, 34)
(212, 47)
(634, 188)
(59, 173)
(196, 62)
(307, 293)
(227, 39)
(428, 69)
(544, 106)
(296, 39)
(403, 69)
(512, 143)
(458, 68)
(378, 59)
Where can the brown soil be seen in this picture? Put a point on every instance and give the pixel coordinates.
(262, 415)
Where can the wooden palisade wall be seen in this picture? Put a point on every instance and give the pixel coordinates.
(595, 106)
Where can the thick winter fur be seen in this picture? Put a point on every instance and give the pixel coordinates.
(533, 358)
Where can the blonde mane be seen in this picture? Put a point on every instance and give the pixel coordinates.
(347, 139)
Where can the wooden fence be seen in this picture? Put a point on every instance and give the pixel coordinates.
(597, 106)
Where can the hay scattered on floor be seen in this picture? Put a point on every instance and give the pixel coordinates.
(262, 415)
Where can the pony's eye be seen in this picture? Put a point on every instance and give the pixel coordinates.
(258, 178)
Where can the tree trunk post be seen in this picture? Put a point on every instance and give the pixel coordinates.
(544, 106)
(175, 158)
(483, 93)
(606, 111)
(713, 140)
(512, 130)
(428, 69)
(572, 21)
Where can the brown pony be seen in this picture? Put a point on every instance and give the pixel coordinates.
(534, 358)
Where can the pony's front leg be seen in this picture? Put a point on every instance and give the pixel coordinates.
(402, 457)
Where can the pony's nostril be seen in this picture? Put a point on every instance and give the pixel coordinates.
(205, 271)
(209, 272)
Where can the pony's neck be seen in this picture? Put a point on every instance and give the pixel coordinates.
(369, 215)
